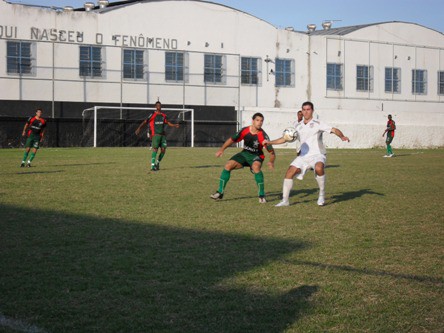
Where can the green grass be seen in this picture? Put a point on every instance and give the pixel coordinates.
(91, 241)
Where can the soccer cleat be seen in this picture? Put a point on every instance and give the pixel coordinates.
(22, 165)
(262, 199)
(391, 155)
(157, 166)
(217, 196)
(386, 156)
(321, 200)
(28, 165)
(282, 204)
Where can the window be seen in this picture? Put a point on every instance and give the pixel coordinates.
(334, 76)
(441, 83)
(392, 80)
(213, 68)
(90, 61)
(364, 78)
(19, 58)
(284, 72)
(133, 65)
(419, 82)
(250, 70)
(174, 66)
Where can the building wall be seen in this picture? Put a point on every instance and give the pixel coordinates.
(199, 28)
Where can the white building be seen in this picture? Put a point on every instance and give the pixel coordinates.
(201, 54)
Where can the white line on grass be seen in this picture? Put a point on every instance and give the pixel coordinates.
(19, 325)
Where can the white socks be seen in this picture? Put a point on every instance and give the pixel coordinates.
(286, 188)
(321, 184)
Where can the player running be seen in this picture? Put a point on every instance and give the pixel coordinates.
(156, 126)
(390, 130)
(312, 153)
(34, 130)
(252, 156)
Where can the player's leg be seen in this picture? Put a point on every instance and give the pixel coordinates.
(156, 144)
(288, 185)
(389, 146)
(259, 178)
(25, 156)
(163, 146)
(236, 162)
(32, 156)
(320, 179)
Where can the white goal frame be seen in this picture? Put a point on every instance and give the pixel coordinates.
(99, 107)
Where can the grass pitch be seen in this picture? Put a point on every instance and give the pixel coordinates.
(92, 241)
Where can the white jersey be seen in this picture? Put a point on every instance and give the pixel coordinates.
(310, 135)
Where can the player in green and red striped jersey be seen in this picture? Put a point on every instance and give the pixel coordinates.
(34, 130)
(252, 156)
(390, 130)
(156, 126)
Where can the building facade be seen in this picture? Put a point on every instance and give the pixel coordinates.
(208, 56)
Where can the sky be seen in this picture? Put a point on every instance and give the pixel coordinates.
(298, 13)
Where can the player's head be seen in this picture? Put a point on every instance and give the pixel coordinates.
(300, 116)
(258, 120)
(389, 116)
(158, 106)
(38, 112)
(307, 110)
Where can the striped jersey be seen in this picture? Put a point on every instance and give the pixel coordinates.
(156, 123)
(252, 142)
(35, 126)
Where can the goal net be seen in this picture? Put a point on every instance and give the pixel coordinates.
(107, 126)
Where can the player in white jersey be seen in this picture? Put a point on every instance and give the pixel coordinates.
(311, 155)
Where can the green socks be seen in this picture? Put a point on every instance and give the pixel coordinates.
(389, 150)
(259, 178)
(32, 157)
(224, 178)
(25, 156)
(153, 159)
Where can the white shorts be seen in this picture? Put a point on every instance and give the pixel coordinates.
(307, 162)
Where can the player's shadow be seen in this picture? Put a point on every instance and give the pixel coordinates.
(38, 172)
(352, 195)
(82, 164)
(64, 271)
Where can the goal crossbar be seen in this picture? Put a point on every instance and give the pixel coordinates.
(99, 107)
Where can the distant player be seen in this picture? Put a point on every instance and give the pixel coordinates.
(251, 156)
(300, 116)
(312, 154)
(390, 130)
(156, 126)
(34, 131)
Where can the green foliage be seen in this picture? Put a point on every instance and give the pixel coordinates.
(91, 240)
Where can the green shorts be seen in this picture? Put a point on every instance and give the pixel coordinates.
(32, 141)
(246, 159)
(159, 141)
(388, 139)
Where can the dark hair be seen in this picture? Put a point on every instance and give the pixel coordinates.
(257, 114)
(158, 102)
(389, 116)
(39, 109)
(308, 103)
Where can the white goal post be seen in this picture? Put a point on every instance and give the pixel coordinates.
(96, 110)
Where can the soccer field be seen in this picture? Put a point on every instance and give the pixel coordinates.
(92, 241)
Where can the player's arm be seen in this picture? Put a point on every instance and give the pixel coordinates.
(172, 125)
(143, 123)
(339, 134)
(25, 128)
(227, 144)
(272, 158)
(42, 134)
(274, 142)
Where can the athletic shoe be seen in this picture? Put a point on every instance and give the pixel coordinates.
(391, 155)
(262, 199)
(157, 166)
(22, 165)
(282, 204)
(28, 165)
(321, 200)
(217, 196)
(386, 156)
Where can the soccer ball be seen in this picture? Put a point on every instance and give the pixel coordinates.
(290, 134)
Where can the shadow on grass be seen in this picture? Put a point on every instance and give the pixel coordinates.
(37, 172)
(352, 195)
(70, 272)
(345, 268)
(82, 164)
